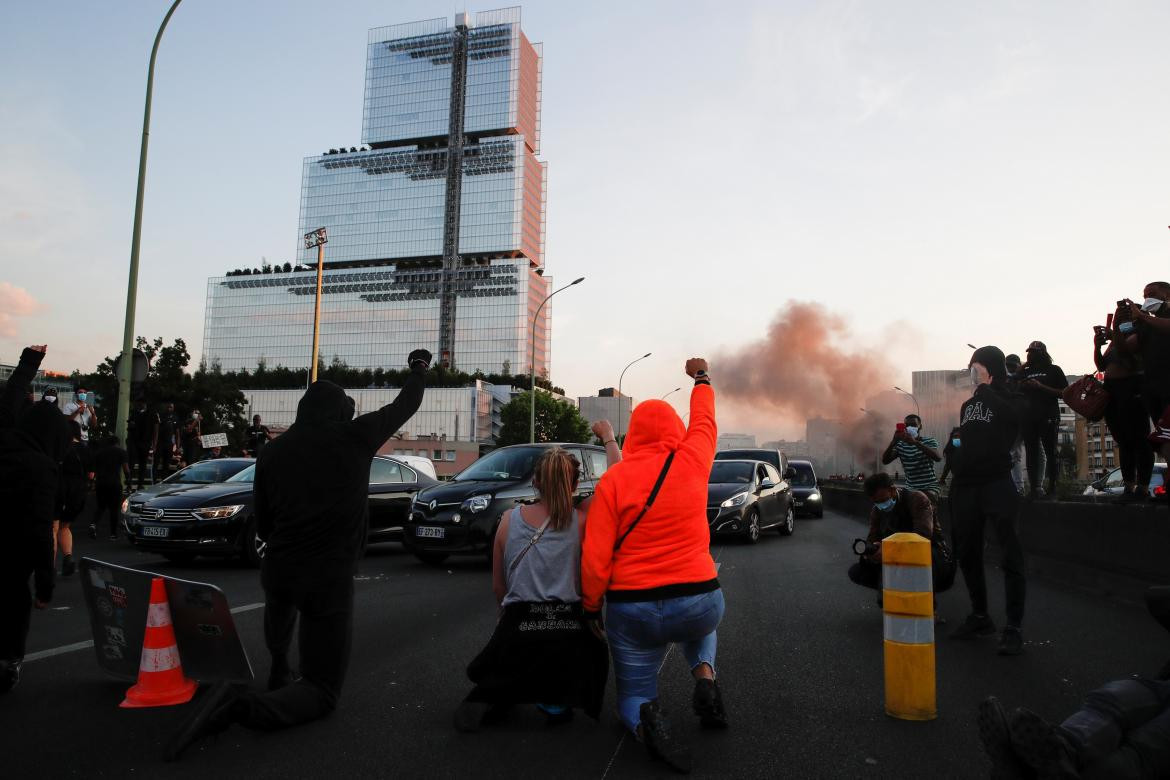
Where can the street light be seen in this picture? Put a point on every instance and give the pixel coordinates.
(675, 390)
(917, 410)
(317, 238)
(135, 242)
(532, 365)
(620, 378)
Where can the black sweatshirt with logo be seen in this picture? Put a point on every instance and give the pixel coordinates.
(988, 426)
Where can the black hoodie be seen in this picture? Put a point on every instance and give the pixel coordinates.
(989, 423)
(31, 446)
(312, 483)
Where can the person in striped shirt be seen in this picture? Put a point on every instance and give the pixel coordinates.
(918, 454)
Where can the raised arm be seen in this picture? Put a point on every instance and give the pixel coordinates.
(702, 433)
(376, 427)
(18, 384)
(603, 430)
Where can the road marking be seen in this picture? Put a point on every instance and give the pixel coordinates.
(40, 654)
(625, 731)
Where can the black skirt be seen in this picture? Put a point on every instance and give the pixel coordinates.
(542, 653)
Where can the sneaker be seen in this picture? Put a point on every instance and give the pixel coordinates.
(997, 741)
(9, 675)
(1041, 746)
(92, 531)
(1011, 641)
(974, 626)
(213, 714)
(68, 566)
(707, 702)
(555, 715)
(469, 715)
(654, 730)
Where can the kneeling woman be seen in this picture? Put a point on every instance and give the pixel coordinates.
(542, 651)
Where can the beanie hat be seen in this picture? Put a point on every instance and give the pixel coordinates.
(992, 359)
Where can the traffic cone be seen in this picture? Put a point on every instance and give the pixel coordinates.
(160, 674)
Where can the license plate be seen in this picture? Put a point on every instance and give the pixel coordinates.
(428, 532)
(152, 531)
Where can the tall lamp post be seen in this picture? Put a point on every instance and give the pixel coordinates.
(917, 410)
(532, 363)
(317, 238)
(675, 390)
(124, 368)
(620, 378)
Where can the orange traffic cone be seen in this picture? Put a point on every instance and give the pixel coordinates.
(160, 675)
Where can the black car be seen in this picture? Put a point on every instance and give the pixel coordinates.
(777, 458)
(205, 472)
(745, 497)
(217, 519)
(461, 516)
(806, 494)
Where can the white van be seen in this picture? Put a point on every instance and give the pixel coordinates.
(418, 463)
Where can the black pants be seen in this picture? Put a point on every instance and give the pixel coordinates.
(139, 457)
(323, 641)
(1039, 433)
(1129, 423)
(1156, 397)
(109, 501)
(974, 507)
(1123, 730)
(868, 574)
(15, 608)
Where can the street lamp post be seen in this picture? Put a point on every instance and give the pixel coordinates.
(620, 378)
(917, 410)
(532, 363)
(675, 390)
(126, 365)
(317, 238)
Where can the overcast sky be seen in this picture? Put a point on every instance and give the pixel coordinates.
(935, 173)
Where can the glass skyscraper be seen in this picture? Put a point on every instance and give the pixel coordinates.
(415, 258)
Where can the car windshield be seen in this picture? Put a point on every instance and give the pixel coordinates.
(804, 478)
(502, 465)
(724, 472)
(207, 472)
(247, 475)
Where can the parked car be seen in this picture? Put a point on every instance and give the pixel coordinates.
(205, 472)
(806, 491)
(418, 463)
(460, 517)
(745, 497)
(777, 458)
(1111, 484)
(217, 519)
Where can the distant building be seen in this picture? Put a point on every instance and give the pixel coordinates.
(735, 441)
(1097, 453)
(940, 395)
(449, 456)
(610, 405)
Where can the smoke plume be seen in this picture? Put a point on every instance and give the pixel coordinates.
(15, 302)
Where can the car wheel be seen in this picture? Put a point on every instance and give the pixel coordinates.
(752, 535)
(254, 547)
(789, 524)
(430, 558)
(179, 557)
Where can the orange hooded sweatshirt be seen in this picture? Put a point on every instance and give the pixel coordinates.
(668, 553)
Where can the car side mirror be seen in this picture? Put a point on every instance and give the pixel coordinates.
(767, 484)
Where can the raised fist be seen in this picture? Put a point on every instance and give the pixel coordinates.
(39, 348)
(603, 430)
(419, 356)
(695, 365)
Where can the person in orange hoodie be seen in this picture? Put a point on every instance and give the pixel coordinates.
(647, 558)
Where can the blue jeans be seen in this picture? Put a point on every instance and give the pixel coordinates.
(640, 633)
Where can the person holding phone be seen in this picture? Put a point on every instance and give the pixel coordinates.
(918, 454)
(81, 410)
(1146, 328)
(1125, 414)
(1042, 385)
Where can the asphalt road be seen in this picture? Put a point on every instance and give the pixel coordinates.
(800, 663)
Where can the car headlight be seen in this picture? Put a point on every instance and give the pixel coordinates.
(737, 500)
(814, 497)
(125, 504)
(476, 503)
(216, 512)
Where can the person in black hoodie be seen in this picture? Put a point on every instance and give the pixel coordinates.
(31, 444)
(73, 479)
(312, 508)
(982, 493)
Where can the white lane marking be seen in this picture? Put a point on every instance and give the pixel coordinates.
(40, 654)
(625, 731)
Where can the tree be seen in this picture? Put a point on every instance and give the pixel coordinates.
(555, 421)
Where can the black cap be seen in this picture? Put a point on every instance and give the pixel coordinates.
(49, 391)
(992, 359)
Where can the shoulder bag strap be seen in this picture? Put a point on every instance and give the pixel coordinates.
(535, 538)
(649, 501)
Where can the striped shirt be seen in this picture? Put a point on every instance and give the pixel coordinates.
(919, 466)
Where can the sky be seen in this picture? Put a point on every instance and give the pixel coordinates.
(927, 174)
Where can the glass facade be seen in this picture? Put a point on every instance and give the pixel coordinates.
(384, 210)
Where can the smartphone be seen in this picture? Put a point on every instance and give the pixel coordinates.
(900, 427)
(1108, 320)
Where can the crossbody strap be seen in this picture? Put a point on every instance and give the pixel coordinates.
(532, 541)
(649, 501)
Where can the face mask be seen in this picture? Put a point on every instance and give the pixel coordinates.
(1152, 304)
(886, 505)
(910, 429)
(974, 376)
(51, 399)
(81, 396)
(1125, 327)
(956, 442)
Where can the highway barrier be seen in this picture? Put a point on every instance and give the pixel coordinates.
(908, 617)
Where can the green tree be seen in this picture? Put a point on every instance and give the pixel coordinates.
(555, 421)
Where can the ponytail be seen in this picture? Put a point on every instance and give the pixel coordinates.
(556, 481)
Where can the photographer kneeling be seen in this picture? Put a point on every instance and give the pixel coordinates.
(899, 510)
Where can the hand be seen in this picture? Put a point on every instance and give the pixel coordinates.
(903, 434)
(419, 356)
(603, 430)
(597, 628)
(695, 365)
(42, 348)
(1100, 336)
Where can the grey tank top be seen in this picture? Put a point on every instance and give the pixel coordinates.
(551, 570)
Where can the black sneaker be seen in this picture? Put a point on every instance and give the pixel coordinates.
(92, 531)
(974, 626)
(996, 736)
(68, 566)
(556, 716)
(1011, 641)
(655, 732)
(708, 705)
(213, 714)
(9, 675)
(1040, 745)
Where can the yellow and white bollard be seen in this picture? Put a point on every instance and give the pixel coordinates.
(908, 606)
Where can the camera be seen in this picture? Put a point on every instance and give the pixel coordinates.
(862, 547)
